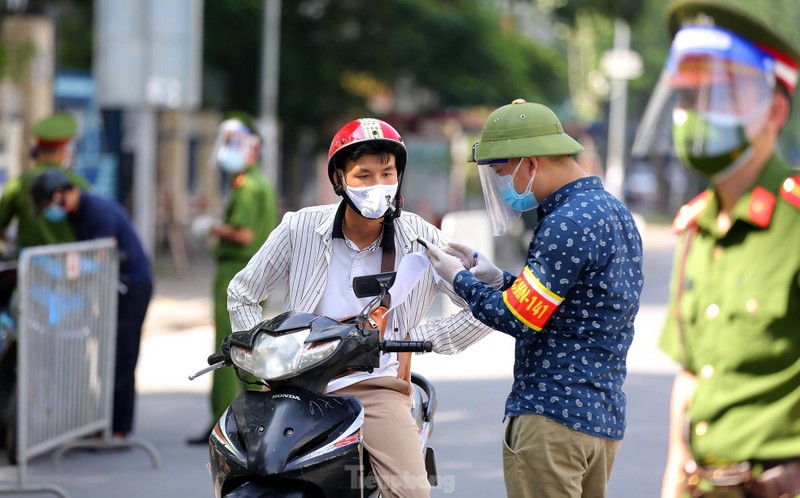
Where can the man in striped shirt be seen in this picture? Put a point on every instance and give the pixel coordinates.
(317, 251)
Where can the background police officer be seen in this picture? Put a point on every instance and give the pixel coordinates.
(735, 308)
(250, 215)
(52, 153)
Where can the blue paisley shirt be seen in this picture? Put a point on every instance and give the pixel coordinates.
(571, 310)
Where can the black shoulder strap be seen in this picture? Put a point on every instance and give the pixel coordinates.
(387, 264)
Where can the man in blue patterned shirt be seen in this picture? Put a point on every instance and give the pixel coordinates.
(571, 309)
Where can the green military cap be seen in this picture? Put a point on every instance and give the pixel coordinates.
(523, 129)
(771, 24)
(55, 130)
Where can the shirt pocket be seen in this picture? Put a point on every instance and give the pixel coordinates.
(755, 320)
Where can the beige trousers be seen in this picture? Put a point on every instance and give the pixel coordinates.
(543, 458)
(391, 437)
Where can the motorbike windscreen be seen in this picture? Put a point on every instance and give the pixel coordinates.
(501, 215)
(715, 88)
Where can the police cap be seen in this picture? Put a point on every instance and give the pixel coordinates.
(54, 130)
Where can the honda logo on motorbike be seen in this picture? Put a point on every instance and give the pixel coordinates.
(290, 396)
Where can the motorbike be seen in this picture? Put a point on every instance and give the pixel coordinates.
(290, 439)
(8, 359)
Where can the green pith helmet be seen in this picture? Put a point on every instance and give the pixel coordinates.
(523, 129)
(767, 23)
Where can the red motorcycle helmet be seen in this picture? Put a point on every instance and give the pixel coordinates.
(361, 130)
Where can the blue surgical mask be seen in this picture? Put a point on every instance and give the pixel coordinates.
(520, 202)
(54, 213)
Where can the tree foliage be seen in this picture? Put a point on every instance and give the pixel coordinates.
(339, 58)
(568, 11)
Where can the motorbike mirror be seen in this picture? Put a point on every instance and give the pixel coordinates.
(373, 285)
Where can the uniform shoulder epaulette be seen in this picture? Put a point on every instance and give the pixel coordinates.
(692, 210)
(790, 190)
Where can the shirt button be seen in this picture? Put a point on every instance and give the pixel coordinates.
(707, 371)
(718, 252)
(712, 311)
(357, 263)
(751, 306)
(701, 428)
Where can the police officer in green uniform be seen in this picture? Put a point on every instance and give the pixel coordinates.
(734, 319)
(52, 152)
(250, 215)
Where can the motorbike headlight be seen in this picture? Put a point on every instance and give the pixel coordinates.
(278, 357)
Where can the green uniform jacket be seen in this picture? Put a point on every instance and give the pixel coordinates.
(739, 310)
(16, 202)
(252, 204)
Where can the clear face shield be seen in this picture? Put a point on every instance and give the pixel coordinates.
(233, 146)
(711, 100)
(501, 215)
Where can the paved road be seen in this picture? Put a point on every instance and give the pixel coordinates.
(472, 387)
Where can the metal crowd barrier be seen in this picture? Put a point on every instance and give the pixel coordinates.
(66, 353)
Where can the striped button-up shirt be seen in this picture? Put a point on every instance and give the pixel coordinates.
(297, 255)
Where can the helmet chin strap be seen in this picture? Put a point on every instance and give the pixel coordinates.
(340, 191)
(396, 205)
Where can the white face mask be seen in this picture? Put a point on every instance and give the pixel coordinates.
(372, 202)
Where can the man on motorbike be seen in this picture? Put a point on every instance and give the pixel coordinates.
(315, 253)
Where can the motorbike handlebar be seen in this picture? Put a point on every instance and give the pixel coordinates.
(215, 358)
(407, 346)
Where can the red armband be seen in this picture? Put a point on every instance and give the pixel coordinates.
(530, 301)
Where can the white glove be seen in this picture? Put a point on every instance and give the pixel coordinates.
(480, 266)
(445, 265)
(201, 225)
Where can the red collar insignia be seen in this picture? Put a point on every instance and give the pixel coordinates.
(762, 204)
(238, 180)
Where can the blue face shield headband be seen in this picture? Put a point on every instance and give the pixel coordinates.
(720, 44)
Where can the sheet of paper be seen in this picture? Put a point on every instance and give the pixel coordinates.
(411, 269)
